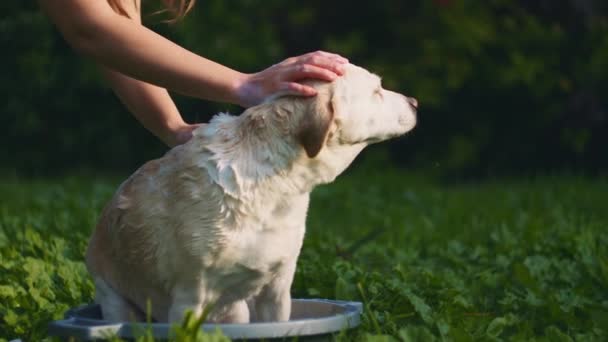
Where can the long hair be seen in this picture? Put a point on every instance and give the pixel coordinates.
(177, 8)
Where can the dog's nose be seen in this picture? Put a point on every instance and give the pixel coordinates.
(413, 102)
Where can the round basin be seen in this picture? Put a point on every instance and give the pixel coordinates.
(309, 317)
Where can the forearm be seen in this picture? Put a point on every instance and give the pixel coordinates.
(151, 105)
(120, 44)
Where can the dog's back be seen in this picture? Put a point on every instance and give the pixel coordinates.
(133, 245)
(221, 219)
(183, 216)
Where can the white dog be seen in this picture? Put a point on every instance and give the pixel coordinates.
(220, 220)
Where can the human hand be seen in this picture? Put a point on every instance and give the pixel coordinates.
(181, 135)
(282, 78)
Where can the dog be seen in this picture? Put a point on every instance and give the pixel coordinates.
(219, 221)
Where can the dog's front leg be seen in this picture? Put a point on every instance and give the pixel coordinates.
(273, 303)
(236, 312)
(186, 298)
(114, 307)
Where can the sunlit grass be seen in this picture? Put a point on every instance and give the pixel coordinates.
(509, 259)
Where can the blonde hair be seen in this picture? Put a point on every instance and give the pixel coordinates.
(177, 8)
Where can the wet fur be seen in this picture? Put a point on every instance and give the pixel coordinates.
(221, 219)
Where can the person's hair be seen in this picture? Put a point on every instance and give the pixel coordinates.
(177, 8)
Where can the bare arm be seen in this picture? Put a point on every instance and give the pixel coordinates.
(152, 106)
(138, 63)
(94, 29)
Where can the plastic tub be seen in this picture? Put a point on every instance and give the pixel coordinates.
(309, 317)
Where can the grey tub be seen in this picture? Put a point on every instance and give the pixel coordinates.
(309, 317)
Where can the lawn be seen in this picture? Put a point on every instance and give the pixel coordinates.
(492, 260)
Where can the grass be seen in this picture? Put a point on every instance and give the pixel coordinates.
(497, 260)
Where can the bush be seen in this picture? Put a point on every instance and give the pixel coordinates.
(504, 86)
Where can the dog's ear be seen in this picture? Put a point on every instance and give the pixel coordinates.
(315, 125)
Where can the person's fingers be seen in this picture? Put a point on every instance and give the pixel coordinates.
(293, 88)
(321, 58)
(289, 61)
(326, 63)
(327, 55)
(184, 134)
(283, 77)
(301, 71)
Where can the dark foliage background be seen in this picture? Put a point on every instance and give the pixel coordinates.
(506, 87)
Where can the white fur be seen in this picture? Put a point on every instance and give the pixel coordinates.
(220, 220)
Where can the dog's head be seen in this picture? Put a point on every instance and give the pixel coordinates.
(323, 133)
(354, 110)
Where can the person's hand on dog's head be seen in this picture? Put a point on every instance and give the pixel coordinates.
(282, 78)
(181, 135)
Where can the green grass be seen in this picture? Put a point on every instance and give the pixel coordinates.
(502, 260)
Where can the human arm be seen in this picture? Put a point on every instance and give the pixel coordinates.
(118, 43)
(152, 107)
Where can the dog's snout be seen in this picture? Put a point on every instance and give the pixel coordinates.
(413, 102)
